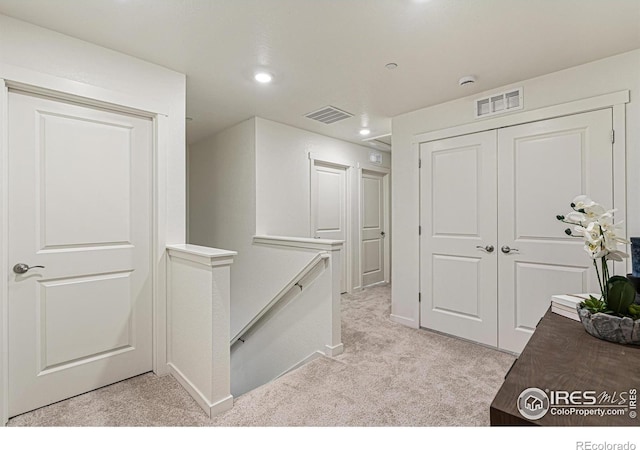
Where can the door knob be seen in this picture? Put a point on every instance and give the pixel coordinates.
(24, 268)
(488, 248)
(383, 234)
(506, 249)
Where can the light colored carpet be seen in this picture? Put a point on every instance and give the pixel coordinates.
(389, 375)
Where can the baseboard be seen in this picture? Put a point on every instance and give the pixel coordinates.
(211, 409)
(221, 406)
(406, 321)
(308, 359)
(334, 350)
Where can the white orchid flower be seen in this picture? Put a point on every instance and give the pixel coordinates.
(592, 232)
(594, 211)
(606, 218)
(611, 238)
(576, 217)
(595, 250)
(582, 202)
(601, 235)
(616, 255)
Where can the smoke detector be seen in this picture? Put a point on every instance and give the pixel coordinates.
(469, 79)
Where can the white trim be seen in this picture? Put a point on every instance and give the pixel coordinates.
(374, 168)
(333, 161)
(187, 174)
(158, 231)
(330, 245)
(549, 112)
(211, 409)
(348, 252)
(60, 88)
(406, 321)
(202, 255)
(4, 255)
(334, 350)
(620, 179)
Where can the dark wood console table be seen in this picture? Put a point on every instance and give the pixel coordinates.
(562, 356)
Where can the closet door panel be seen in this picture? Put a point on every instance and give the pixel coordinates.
(542, 166)
(458, 219)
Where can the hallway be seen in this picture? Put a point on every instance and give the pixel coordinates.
(389, 375)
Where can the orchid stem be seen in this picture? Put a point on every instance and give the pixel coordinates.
(595, 263)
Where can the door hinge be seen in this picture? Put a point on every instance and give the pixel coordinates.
(419, 163)
(613, 136)
(419, 230)
(419, 297)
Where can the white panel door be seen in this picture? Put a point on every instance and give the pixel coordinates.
(373, 232)
(457, 246)
(329, 207)
(79, 205)
(542, 166)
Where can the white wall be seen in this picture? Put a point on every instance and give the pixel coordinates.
(222, 214)
(608, 75)
(222, 189)
(283, 182)
(296, 327)
(27, 46)
(283, 174)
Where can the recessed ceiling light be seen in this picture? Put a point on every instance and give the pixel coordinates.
(391, 66)
(365, 132)
(263, 77)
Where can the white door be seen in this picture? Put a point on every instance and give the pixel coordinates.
(373, 228)
(457, 246)
(79, 205)
(542, 166)
(329, 208)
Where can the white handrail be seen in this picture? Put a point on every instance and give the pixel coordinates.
(322, 256)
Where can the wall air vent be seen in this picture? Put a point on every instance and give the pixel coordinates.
(328, 115)
(499, 103)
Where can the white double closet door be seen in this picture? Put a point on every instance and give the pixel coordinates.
(492, 251)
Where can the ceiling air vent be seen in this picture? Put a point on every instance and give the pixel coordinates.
(499, 103)
(329, 114)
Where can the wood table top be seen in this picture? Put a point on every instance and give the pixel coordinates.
(561, 356)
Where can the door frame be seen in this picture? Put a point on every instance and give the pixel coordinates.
(615, 101)
(34, 82)
(348, 167)
(386, 175)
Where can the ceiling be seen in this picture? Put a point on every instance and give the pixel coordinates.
(334, 52)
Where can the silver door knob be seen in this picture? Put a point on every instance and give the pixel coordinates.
(488, 248)
(506, 249)
(24, 268)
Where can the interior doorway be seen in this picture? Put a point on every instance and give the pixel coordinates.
(374, 227)
(80, 292)
(330, 215)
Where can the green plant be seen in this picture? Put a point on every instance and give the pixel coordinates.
(620, 295)
(601, 235)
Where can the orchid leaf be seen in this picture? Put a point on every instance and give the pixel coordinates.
(621, 294)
